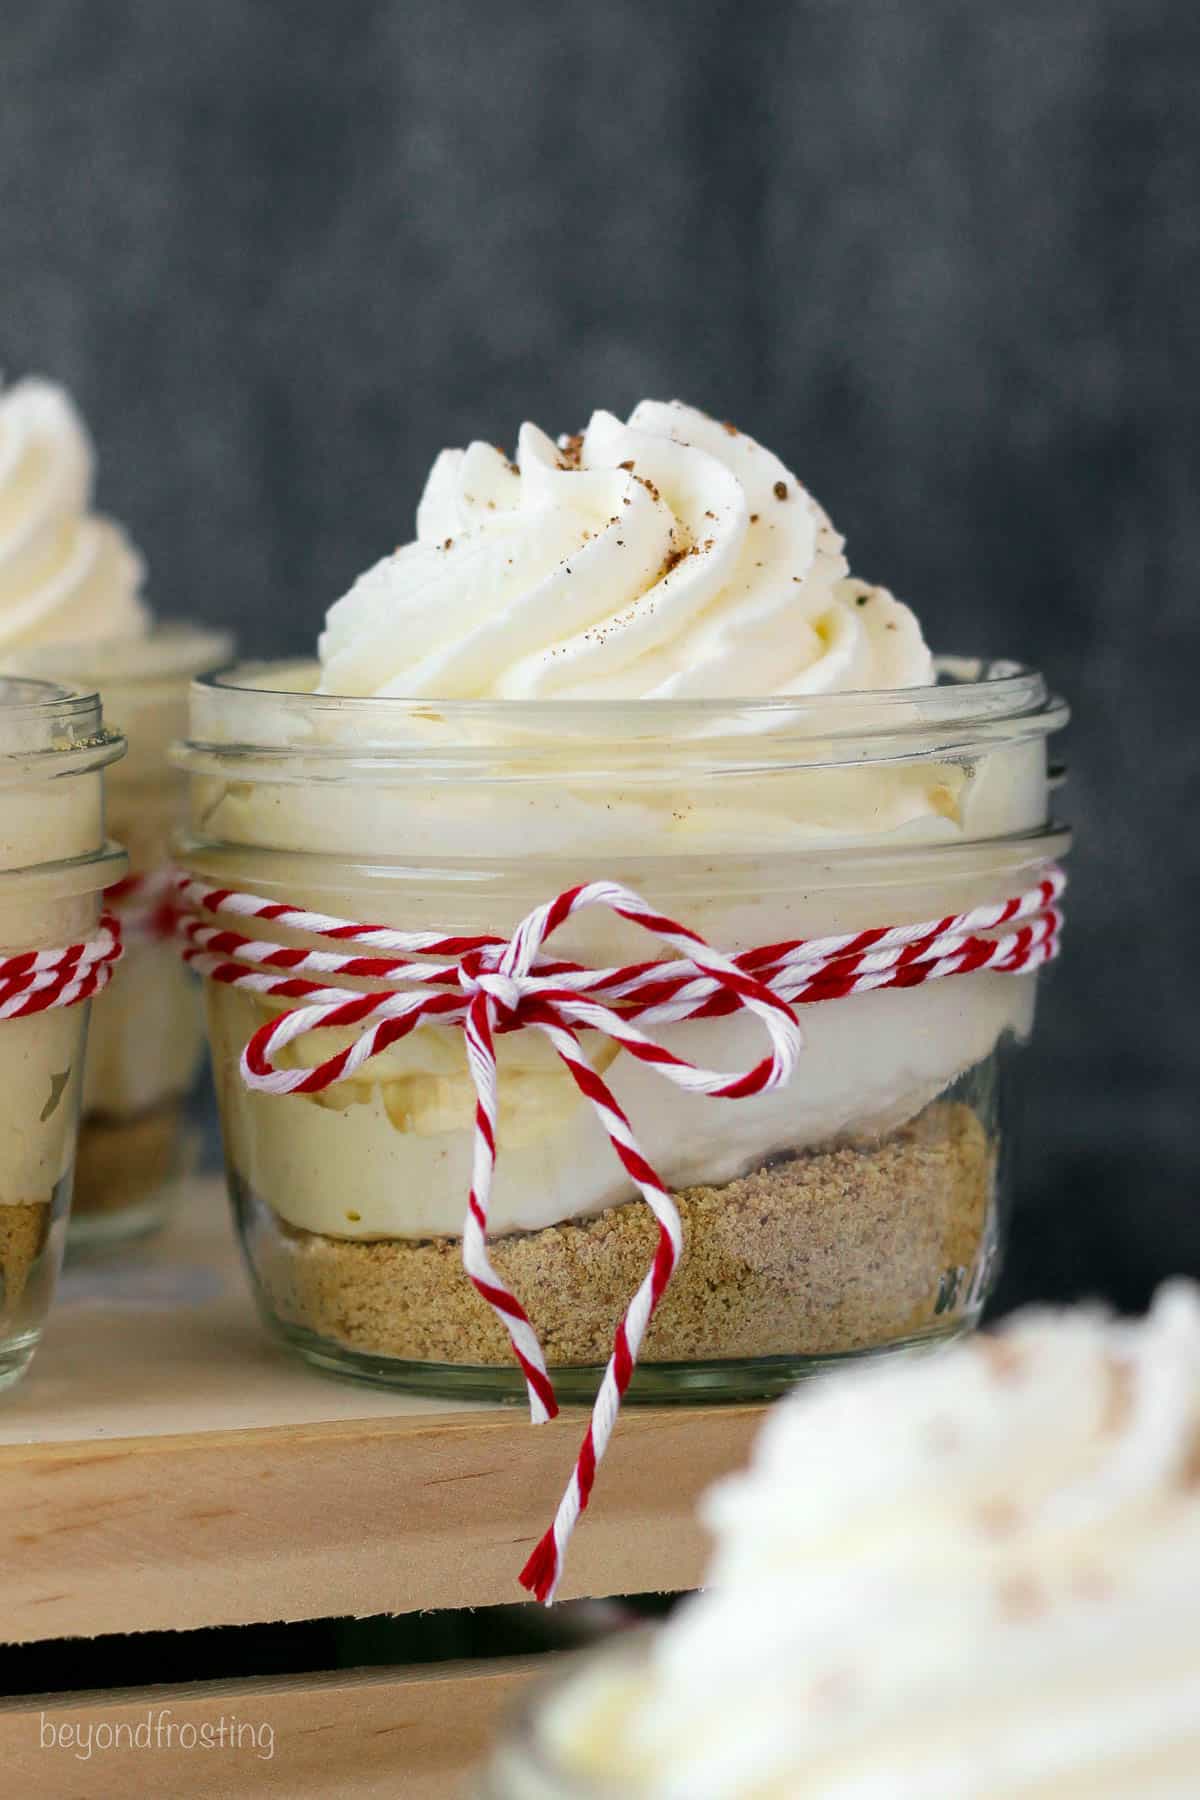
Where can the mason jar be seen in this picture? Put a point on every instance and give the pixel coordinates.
(54, 866)
(146, 1040)
(561, 1741)
(859, 1208)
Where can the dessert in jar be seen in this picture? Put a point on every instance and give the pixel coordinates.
(55, 952)
(71, 609)
(636, 656)
(976, 1575)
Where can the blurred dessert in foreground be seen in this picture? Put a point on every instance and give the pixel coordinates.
(978, 1574)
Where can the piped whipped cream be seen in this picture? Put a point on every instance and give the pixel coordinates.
(67, 575)
(666, 558)
(979, 1574)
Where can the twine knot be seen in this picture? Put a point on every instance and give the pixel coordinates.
(479, 974)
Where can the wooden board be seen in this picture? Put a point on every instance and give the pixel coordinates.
(413, 1733)
(165, 1466)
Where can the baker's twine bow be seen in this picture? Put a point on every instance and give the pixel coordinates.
(37, 981)
(488, 985)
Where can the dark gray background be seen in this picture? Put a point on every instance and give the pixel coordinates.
(944, 257)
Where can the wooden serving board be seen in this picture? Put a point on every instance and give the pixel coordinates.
(362, 1734)
(165, 1466)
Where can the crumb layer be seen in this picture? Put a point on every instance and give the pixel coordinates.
(23, 1228)
(812, 1254)
(121, 1162)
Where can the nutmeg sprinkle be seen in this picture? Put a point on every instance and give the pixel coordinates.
(571, 448)
(1021, 1598)
(1006, 1361)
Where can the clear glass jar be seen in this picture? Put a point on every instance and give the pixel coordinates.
(54, 866)
(146, 1040)
(560, 1742)
(859, 1209)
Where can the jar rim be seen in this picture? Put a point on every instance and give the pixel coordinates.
(91, 872)
(49, 728)
(327, 880)
(270, 709)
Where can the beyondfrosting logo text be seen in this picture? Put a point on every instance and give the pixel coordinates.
(158, 1730)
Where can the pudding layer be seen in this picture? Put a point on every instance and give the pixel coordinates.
(146, 1037)
(390, 1156)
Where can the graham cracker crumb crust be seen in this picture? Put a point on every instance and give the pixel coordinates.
(120, 1162)
(23, 1228)
(811, 1254)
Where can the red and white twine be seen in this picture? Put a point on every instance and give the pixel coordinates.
(146, 905)
(37, 981)
(488, 985)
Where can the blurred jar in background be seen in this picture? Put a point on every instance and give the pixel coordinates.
(54, 867)
(72, 611)
(146, 1043)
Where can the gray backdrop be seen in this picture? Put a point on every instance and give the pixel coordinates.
(942, 256)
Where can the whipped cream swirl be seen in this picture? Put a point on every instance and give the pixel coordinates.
(67, 575)
(977, 1575)
(670, 558)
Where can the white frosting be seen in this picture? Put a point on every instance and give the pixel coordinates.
(678, 559)
(67, 575)
(979, 1574)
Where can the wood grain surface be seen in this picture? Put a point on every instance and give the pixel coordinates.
(403, 1734)
(166, 1467)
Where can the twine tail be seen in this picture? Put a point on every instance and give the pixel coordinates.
(488, 1284)
(540, 1574)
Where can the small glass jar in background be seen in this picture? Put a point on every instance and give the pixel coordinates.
(860, 1208)
(54, 867)
(146, 1040)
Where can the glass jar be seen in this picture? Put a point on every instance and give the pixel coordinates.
(54, 866)
(861, 1208)
(146, 1040)
(557, 1742)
